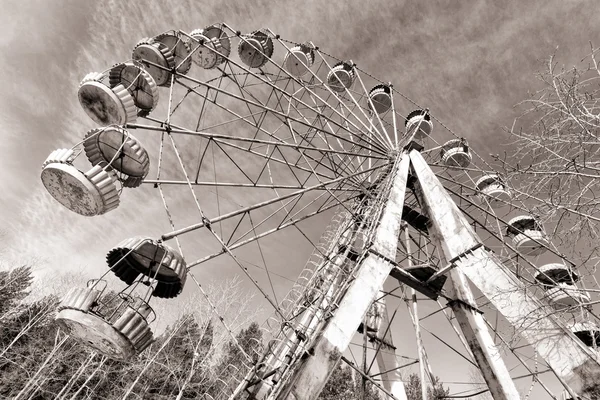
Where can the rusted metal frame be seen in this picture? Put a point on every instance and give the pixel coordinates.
(355, 192)
(201, 159)
(329, 199)
(235, 163)
(352, 353)
(313, 171)
(266, 164)
(286, 122)
(382, 136)
(283, 123)
(314, 76)
(304, 137)
(272, 215)
(326, 259)
(407, 252)
(458, 334)
(274, 159)
(451, 347)
(317, 131)
(242, 118)
(304, 154)
(395, 369)
(233, 184)
(360, 166)
(264, 261)
(350, 160)
(311, 174)
(217, 237)
(233, 77)
(313, 126)
(282, 207)
(319, 324)
(431, 314)
(331, 281)
(380, 344)
(274, 200)
(204, 100)
(356, 134)
(266, 233)
(243, 90)
(247, 100)
(308, 381)
(331, 193)
(214, 165)
(174, 129)
(228, 242)
(415, 318)
(323, 138)
(216, 140)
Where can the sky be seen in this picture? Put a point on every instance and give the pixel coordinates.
(469, 62)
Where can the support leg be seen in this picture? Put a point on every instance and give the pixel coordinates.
(563, 352)
(372, 273)
(386, 357)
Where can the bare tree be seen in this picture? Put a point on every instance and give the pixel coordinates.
(554, 164)
(554, 169)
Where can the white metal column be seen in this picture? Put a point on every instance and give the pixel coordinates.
(565, 354)
(387, 362)
(364, 289)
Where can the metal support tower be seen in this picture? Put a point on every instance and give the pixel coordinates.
(563, 352)
(386, 357)
(335, 338)
(468, 257)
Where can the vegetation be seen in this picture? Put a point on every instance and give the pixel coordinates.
(187, 361)
(37, 361)
(555, 171)
(553, 166)
(434, 392)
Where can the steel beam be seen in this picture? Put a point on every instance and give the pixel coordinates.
(386, 356)
(563, 352)
(312, 375)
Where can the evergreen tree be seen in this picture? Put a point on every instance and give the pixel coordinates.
(27, 336)
(180, 369)
(230, 369)
(342, 386)
(339, 386)
(14, 285)
(434, 392)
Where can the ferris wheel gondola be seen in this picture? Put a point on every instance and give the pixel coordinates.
(299, 60)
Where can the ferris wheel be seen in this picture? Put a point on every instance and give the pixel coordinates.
(429, 257)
